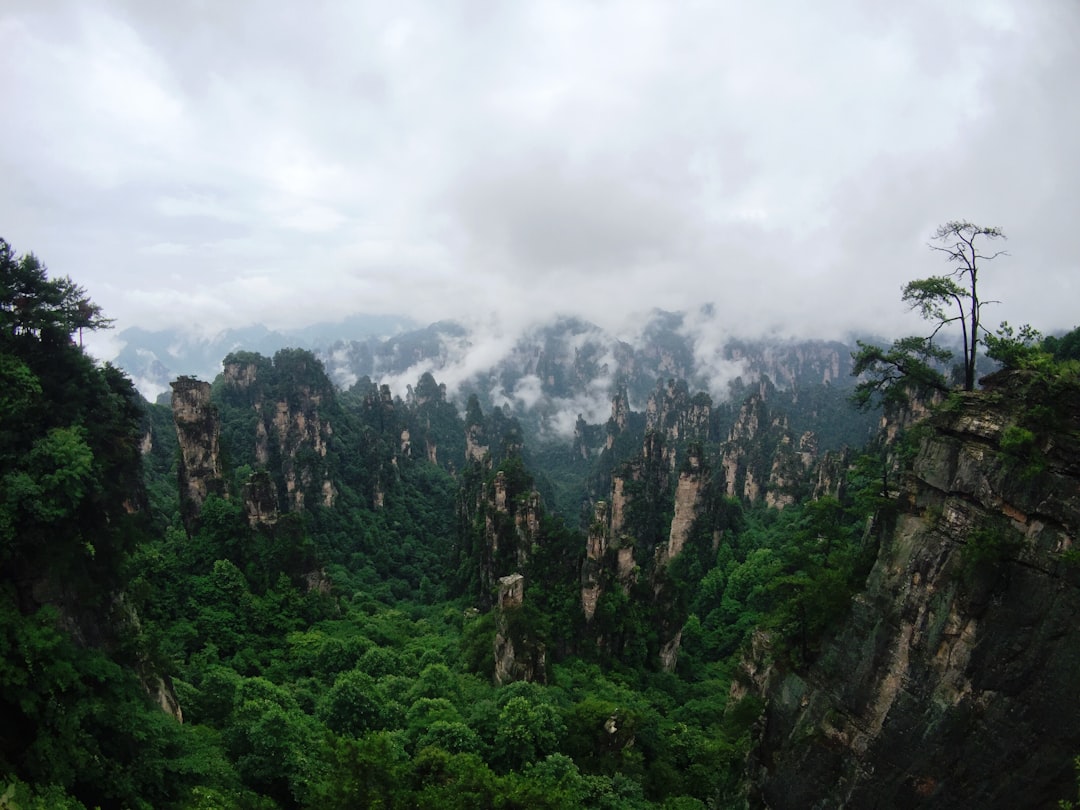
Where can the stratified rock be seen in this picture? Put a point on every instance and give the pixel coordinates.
(198, 432)
(518, 656)
(260, 499)
(953, 683)
(620, 416)
(592, 569)
(688, 504)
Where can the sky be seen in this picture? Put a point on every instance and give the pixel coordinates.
(206, 165)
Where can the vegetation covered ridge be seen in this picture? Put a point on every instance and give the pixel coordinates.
(347, 599)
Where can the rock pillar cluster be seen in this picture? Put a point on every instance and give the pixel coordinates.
(198, 432)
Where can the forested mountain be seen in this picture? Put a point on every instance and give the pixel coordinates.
(547, 376)
(952, 682)
(279, 591)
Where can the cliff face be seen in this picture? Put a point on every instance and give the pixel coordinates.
(953, 682)
(794, 364)
(678, 416)
(517, 656)
(620, 416)
(639, 530)
(663, 500)
(596, 546)
(790, 469)
(511, 514)
(763, 459)
(271, 416)
(434, 429)
(289, 428)
(505, 524)
(198, 432)
(689, 494)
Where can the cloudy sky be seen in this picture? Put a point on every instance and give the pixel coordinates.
(222, 163)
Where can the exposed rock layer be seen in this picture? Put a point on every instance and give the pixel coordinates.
(197, 431)
(953, 683)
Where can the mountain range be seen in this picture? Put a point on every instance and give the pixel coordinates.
(547, 375)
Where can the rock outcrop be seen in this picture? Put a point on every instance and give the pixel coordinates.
(672, 412)
(637, 532)
(476, 446)
(518, 657)
(689, 492)
(794, 364)
(596, 545)
(953, 682)
(198, 433)
(260, 500)
(790, 471)
(763, 459)
(290, 432)
(511, 515)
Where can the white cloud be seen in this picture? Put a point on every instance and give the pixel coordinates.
(279, 163)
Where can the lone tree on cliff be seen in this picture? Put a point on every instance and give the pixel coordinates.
(952, 298)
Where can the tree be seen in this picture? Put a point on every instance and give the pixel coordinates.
(1066, 347)
(911, 364)
(33, 304)
(1018, 348)
(954, 298)
(353, 705)
(894, 374)
(528, 730)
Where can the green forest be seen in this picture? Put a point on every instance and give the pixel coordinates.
(319, 626)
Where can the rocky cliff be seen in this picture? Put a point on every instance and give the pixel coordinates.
(518, 655)
(290, 432)
(672, 412)
(953, 682)
(671, 491)
(763, 459)
(198, 433)
(500, 516)
(794, 364)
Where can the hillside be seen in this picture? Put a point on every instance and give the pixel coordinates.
(547, 376)
(346, 597)
(952, 683)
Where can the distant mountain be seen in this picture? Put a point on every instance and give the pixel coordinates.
(546, 376)
(549, 375)
(153, 358)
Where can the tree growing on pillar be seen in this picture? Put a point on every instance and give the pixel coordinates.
(954, 297)
(912, 363)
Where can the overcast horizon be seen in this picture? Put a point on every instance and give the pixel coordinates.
(502, 163)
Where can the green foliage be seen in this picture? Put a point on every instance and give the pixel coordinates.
(527, 730)
(1066, 804)
(910, 365)
(1066, 347)
(1018, 349)
(1049, 390)
(335, 658)
(34, 306)
(272, 742)
(76, 720)
(891, 376)
(17, 795)
(354, 705)
(990, 546)
(1019, 444)
(368, 772)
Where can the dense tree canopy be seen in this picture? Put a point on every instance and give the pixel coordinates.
(341, 655)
